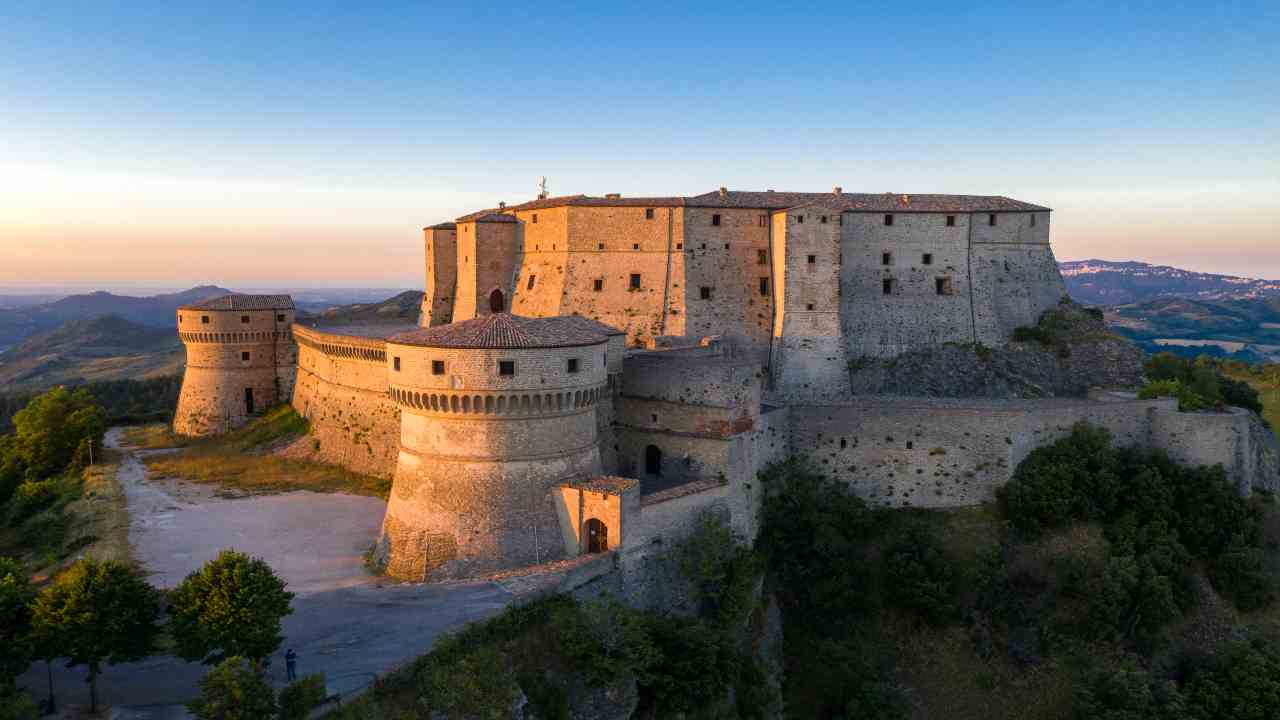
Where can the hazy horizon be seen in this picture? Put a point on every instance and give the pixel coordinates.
(299, 145)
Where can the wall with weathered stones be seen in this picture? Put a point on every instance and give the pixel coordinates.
(945, 453)
(342, 392)
(487, 257)
(481, 455)
(441, 259)
(1013, 274)
(230, 352)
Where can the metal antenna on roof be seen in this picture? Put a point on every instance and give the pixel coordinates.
(542, 188)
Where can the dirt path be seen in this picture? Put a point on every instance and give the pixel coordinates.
(346, 623)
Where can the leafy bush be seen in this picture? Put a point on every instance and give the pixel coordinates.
(919, 577)
(1200, 383)
(478, 685)
(606, 639)
(16, 595)
(1188, 400)
(723, 571)
(693, 666)
(1120, 695)
(234, 690)
(1241, 683)
(299, 698)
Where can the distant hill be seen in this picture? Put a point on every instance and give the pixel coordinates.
(157, 310)
(108, 347)
(402, 309)
(1103, 282)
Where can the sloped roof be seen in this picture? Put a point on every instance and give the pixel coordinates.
(238, 301)
(770, 200)
(594, 325)
(504, 331)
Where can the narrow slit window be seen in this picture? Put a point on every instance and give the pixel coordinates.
(635, 281)
(1033, 220)
(943, 286)
(598, 285)
(800, 219)
(764, 287)
(762, 221)
(888, 285)
(888, 219)
(395, 364)
(886, 258)
(715, 219)
(648, 213)
(991, 219)
(535, 218)
(532, 280)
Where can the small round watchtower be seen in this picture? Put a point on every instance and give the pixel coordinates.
(240, 360)
(495, 413)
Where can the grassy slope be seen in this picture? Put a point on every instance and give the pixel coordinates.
(242, 459)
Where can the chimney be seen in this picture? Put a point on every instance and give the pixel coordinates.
(502, 204)
(613, 196)
(837, 190)
(769, 190)
(724, 192)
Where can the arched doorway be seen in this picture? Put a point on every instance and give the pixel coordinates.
(597, 536)
(497, 303)
(653, 461)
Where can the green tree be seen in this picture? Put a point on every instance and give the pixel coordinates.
(15, 622)
(234, 690)
(96, 612)
(231, 606)
(56, 431)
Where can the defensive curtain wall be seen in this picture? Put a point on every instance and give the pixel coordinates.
(240, 359)
(341, 389)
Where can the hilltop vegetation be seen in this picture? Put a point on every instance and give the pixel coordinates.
(402, 309)
(123, 400)
(103, 348)
(18, 324)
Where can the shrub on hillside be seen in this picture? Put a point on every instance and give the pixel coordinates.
(299, 698)
(234, 690)
(918, 576)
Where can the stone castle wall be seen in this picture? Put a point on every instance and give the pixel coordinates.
(230, 354)
(441, 258)
(947, 453)
(341, 390)
(481, 453)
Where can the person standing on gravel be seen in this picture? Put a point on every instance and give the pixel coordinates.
(291, 664)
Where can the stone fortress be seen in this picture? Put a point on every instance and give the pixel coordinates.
(591, 374)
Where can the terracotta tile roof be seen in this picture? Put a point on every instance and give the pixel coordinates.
(864, 202)
(492, 217)
(769, 200)
(238, 301)
(607, 484)
(594, 325)
(442, 226)
(503, 330)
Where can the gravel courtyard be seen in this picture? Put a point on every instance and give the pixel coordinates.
(346, 623)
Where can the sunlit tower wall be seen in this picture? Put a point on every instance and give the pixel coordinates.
(495, 412)
(241, 359)
(440, 249)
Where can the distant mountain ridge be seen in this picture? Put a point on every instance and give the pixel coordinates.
(1106, 282)
(402, 309)
(157, 311)
(107, 347)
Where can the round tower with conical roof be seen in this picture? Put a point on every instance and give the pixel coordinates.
(240, 359)
(495, 412)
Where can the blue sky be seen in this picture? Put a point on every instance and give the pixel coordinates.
(308, 142)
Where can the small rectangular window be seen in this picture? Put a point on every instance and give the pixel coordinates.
(204, 319)
(244, 319)
(573, 365)
(763, 221)
(800, 219)
(886, 258)
(535, 218)
(764, 286)
(280, 318)
(762, 257)
(244, 355)
(715, 219)
(600, 246)
(927, 259)
(635, 246)
(507, 367)
(943, 286)
(635, 281)
(598, 284)
(395, 364)
(437, 367)
(823, 220)
(532, 279)
(888, 285)
(1033, 219)
(704, 292)
(679, 246)
(648, 213)
(809, 306)
(813, 259)
(991, 219)
(951, 221)
(888, 219)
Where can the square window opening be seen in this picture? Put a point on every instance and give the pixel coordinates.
(437, 367)
(813, 259)
(244, 355)
(927, 259)
(886, 258)
(942, 286)
(704, 292)
(635, 281)
(507, 368)
(244, 319)
(888, 285)
(573, 365)
(598, 285)
(204, 319)
(951, 221)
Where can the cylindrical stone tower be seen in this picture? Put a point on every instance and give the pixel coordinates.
(494, 413)
(240, 359)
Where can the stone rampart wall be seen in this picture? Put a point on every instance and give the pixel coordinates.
(441, 259)
(342, 391)
(939, 453)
